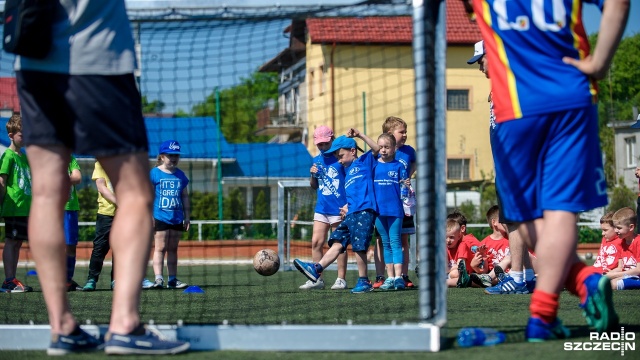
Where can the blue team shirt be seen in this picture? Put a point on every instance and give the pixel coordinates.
(167, 205)
(406, 155)
(358, 183)
(386, 186)
(525, 42)
(331, 194)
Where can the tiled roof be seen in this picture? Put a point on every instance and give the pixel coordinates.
(460, 29)
(9, 94)
(391, 29)
(379, 30)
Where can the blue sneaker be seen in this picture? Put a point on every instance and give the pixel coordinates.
(598, 307)
(363, 286)
(507, 286)
(387, 285)
(152, 342)
(67, 344)
(308, 269)
(531, 285)
(147, 284)
(539, 331)
(399, 283)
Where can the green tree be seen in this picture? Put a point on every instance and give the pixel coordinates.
(619, 92)
(239, 105)
(261, 212)
(153, 107)
(622, 196)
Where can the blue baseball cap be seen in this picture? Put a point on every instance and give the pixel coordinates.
(169, 147)
(342, 142)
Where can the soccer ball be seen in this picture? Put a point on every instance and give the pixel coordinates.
(266, 262)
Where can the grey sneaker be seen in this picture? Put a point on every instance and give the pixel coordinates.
(340, 284)
(176, 284)
(158, 284)
(310, 285)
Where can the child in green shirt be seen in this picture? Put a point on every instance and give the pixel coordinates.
(15, 197)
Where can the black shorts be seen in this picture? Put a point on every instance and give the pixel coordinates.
(162, 226)
(94, 115)
(15, 227)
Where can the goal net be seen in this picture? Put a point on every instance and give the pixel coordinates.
(242, 88)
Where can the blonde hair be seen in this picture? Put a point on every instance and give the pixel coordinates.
(451, 224)
(159, 160)
(392, 123)
(391, 138)
(607, 218)
(625, 216)
(493, 213)
(14, 125)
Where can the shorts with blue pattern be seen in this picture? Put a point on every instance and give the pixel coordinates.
(356, 229)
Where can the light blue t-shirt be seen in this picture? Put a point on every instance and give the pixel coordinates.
(331, 194)
(407, 156)
(386, 186)
(167, 205)
(358, 184)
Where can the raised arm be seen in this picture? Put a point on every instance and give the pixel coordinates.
(372, 144)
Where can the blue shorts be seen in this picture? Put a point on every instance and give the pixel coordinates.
(356, 229)
(549, 162)
(71, 227)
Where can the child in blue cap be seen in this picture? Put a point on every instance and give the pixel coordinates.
(361, 210)
(171, 212)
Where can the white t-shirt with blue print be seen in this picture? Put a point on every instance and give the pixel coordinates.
(331, 194)
(358, 184)
(167, 205)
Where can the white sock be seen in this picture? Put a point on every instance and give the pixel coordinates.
(529, 274)
(518, 276)
(159, 277)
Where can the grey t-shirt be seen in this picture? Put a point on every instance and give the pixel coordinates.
(90, 37)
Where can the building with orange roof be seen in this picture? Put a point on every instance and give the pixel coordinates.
(356, 71)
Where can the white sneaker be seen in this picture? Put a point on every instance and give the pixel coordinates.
(339, 285)
(310, 285)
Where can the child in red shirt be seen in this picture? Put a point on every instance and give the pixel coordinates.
(459, 257)
(627, 278)
(610, 255)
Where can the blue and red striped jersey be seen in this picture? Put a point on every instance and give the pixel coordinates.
(525, 41)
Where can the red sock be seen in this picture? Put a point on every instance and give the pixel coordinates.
(544, 306)
(576, 277)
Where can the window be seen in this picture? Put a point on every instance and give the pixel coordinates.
(458, 169)
(458, 99)
(630, 150)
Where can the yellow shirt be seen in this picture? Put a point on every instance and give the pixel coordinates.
(105, 207)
